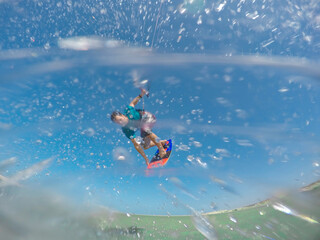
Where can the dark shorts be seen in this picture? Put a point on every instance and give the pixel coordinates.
(147, 122)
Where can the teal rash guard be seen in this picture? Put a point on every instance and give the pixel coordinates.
(134, 122)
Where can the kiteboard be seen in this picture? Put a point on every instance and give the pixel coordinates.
(157, 161)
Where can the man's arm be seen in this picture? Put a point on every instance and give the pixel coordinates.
(136, 100)
(140, 150)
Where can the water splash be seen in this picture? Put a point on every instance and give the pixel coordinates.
(25, 174)
(283, 208)
(203, 225)
(133, 56)
(200, 222)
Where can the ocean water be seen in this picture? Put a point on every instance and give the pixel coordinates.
(235, 84)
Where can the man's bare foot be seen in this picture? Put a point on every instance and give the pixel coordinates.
(162, 153)
(163, 142)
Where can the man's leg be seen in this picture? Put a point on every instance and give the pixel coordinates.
(140, 150)
(148, 120)
(148, 143)
(154, 142)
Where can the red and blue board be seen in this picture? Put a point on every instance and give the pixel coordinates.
(157, 161)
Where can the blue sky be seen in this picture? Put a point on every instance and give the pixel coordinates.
(248, 129)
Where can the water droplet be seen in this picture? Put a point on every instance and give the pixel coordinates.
(282, 208)
(199, 20)
(241, 113)
(221, 6)
(223, 152)
(227, 78)
(233, 219)
(181, 30)
(88, 132)
(223, 101)
(253, 15)
(244, 143)
(190, 158)
(47, 46)
(283, 90)
(197, 144)
(202, 164)
(183, 147)
(121, 154)
(182, 9)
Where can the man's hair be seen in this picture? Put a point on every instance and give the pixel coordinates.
(114, 114)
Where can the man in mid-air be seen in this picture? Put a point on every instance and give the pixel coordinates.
(133, 119)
